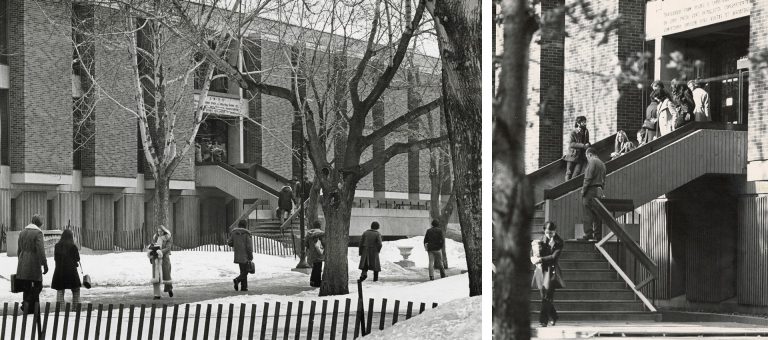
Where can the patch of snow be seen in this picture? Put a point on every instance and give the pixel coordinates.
(458, 319)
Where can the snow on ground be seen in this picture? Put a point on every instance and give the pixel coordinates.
(438, 291)
(458, 319)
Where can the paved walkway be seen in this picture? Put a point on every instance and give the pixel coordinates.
(675, 330)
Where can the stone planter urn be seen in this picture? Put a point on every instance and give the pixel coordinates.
(405, 251)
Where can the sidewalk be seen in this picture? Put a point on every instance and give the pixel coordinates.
(719, 330)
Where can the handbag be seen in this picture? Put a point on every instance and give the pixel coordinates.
(86, 278)
(251, 267)
(552, 279)
(15, 287)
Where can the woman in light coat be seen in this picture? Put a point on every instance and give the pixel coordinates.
(159, 255)
(315, 246)
(667, 112)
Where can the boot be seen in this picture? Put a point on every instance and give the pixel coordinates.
(375, 276)
(244, 285)
(442, 273)
(364, 275)
(235, 282)
(431, 277)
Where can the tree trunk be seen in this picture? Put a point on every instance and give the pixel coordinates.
(162, 203)
(459, 34)
(311, 206)
(512, 195)
(336, 271)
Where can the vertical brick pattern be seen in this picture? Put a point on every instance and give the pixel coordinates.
(552, 57)
(758, 85)
(277, 113)
(631, 38)
(395, 105)
(40, 94)
(590, 89)
(252, 131)
(379, 180)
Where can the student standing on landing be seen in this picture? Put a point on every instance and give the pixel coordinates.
(578, 141)
(594, 180)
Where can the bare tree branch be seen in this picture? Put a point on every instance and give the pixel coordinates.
(396, 149)
(400, 121)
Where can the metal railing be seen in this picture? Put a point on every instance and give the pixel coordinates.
(616, 230)
(289, 222)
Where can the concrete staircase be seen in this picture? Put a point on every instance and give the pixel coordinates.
(594, 290)
(271, 229)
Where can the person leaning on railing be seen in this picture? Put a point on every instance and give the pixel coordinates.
(594, 181)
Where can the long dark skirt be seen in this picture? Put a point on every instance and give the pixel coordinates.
(316, 277)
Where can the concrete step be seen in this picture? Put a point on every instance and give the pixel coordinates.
(596, 285)
(593, 305)
(589, 275)
(585, 264)
(587, 294)
(574, 245)
(599, 316)
(580, 255)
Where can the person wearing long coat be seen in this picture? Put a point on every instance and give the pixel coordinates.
(370, 246)
(548, 276)
(284, 203)
(315, 246)
(29, 276)
(65, 275)
(578, 142)
(240, 241)
(159, 255)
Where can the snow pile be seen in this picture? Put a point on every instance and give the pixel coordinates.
(458, 319)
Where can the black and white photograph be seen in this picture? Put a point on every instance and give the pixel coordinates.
(630, 168)
(242, 169)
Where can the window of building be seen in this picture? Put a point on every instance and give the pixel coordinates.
(5, 121)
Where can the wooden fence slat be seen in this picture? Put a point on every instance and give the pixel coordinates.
(276, 321)
(298, 320)
(253, 321)
(130, 323)
(87, 320)
(334, 318)
(218, 322)
(312, 305)
(409, 310)
(5, 314)
(151, 330)
(359, 318)
(264, 316)
(383, 313)
(422, 307)
(322, 319)
(197, 322)
(13, 325)
(207, 323)
(229, 320)
(36, 323)
(55, 321)
(370, 317)
(240, 322)
(345, 325)
(45, 318)
(24, 323)
(185, 323)
(66, 321)
(78, 307)
(163, 315)
(109, 322)
(287, 326)
(119, 321)
(173, 321)
(98, 323)
(141, 322)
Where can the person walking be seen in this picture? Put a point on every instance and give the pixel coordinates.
(370, 246)
(683, 98)
(700, 101)
(548, 276)
(284, 203)
(578, 141)
(65, 276)
(240, 241)
(434, 241)
(667, 111)
(315, 245)
(594, 182)
(29, 276)
(650, 125)
(160, 257)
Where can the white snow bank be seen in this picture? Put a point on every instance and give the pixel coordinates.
(458, 319)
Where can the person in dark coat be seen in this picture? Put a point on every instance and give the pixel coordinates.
(65, 275)
(594, 181)
(159, 255)
(578, 142)
(240, 241)
(315, 245)
(434, 241)
(548, 277)
(29, 276)
(284, 203)
(370, 246)
(683, 98)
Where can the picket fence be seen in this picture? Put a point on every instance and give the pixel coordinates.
(83, 321)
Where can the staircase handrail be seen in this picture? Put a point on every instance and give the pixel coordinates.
(644, 150)
(616, 230)
(289, 221)
(244, 176)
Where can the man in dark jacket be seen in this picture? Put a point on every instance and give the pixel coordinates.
(578, 141)
(370, 246)
(594, 181)
(29, 277)
(433, 243)
(284, 203)
(240, 240)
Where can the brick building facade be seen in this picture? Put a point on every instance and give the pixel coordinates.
(103, 184)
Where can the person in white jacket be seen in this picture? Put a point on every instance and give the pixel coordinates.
(667, 111)
(700, 101)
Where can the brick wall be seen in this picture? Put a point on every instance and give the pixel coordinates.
(40, 98)
(276, 113)
(758, 88)
(551, 55)
(631, 38)
(253, 134)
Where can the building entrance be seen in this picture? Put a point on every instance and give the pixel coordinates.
(212, 140)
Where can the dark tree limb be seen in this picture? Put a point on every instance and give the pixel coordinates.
(396, 149)
(400, 121)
